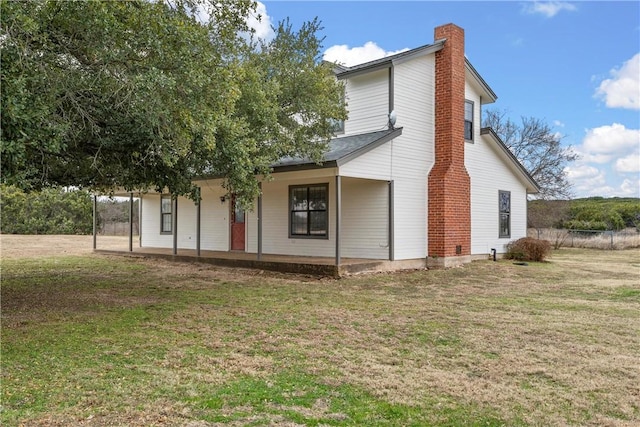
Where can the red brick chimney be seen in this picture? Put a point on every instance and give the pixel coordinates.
(449, 233)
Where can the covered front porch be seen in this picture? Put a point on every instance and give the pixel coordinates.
(331, 219)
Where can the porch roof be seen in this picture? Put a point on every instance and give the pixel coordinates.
(340, 150)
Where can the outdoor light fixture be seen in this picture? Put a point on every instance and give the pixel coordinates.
(223, 199)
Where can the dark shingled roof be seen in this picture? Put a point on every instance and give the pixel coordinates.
(341, 150)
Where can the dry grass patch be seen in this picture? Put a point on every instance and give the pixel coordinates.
(150, 342)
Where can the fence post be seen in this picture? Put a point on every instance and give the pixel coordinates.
(611, 239)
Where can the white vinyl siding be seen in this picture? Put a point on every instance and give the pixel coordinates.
(413, 154)
(367, 99)
(214, 222)
(408, 158)
(489, 175)
(365, 219)
(376, 164)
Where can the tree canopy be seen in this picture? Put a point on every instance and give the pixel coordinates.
(150, 95)
(538, 148)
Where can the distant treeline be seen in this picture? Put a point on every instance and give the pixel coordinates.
(58, 211)
(593, 213)
(50, 211)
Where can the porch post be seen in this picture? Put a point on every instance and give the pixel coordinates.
(174, 226)
(130, 222)
(260, 221)
(391, 222)
(198, 220)
(95, 220)
(139, 220)
(338, 216)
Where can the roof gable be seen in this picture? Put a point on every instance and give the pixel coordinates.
(343, 72)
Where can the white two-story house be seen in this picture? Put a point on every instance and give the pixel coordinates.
(411, 178)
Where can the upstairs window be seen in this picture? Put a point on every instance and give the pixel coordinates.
(308, 211)
(166, 214)
(337, 126)
(504, 200)
(468, 120)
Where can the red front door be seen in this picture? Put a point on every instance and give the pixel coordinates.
(237, 226)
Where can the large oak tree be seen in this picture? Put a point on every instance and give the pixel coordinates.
(150, 95)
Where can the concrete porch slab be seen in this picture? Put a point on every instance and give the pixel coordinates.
(318, 266)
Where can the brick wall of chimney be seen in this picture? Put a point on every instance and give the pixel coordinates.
(449, 221)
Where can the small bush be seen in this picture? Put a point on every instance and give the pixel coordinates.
(528, 249)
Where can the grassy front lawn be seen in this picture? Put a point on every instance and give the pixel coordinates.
(97, 340)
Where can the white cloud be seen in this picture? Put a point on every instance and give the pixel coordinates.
(629, 164)
(549, 8)
(609, 163)
(260, 21)
(558, 123)
(605, 143)
(587, 180)
(596, 183)
(630, 188)
(622, 90)
(584, 172)
(349, 56)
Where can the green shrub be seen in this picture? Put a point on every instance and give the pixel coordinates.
(528, 249)
(581, 224)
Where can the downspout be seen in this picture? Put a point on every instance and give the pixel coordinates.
(391, 89)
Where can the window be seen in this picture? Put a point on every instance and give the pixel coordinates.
(166, 217)
(468, 120)
(504, 198)
(337, 126)
(309, 215)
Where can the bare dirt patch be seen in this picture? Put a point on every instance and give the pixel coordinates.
(32, 246)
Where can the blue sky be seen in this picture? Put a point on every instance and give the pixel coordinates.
(576, 65)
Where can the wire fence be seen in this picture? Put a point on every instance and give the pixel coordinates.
(117, 228)
(592, 239)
